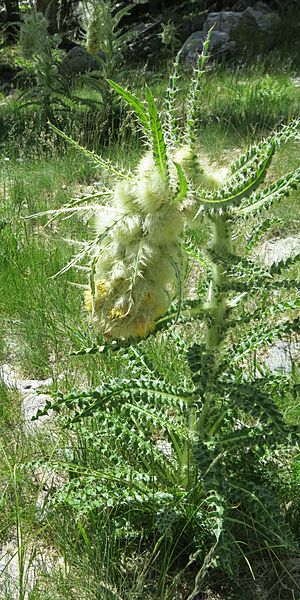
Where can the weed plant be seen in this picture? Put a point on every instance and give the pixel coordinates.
(186, 475)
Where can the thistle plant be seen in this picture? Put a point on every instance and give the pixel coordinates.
(107, 42)
(104, 34)
(169, 38)
(34, 37)
(37, 45)
(229, 430)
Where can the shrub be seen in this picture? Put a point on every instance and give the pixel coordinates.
(216, 494)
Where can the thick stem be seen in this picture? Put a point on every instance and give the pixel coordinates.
(216, 307)
(217, 298)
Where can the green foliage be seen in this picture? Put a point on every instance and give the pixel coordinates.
(104, 33)
(213, 490)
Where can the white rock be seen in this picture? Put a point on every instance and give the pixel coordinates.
(30, 405)
(9, 377)
(38, 561)
(165, 447)
(32, 400)
(282, 355)
(273, 251)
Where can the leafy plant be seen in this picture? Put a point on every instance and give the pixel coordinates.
(169, 37)
(107, 41)
(103, 33)
(36, 44)
(53, 91)
(215, 495)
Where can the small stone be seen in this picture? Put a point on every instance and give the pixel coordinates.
(164, 447)
(9, 377)
(39, 560)
(30, 405)
(273, 251)
(282, 355)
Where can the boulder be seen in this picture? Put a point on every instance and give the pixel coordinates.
(254, 18)
(252, 25)
(282, 355)
(273, 251)
(78, 61)
(192, 47)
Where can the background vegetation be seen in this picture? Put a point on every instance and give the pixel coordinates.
(100, 499)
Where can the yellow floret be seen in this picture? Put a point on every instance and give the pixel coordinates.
(117, 313)
(101, 288)
(88, 301)
(141, 328)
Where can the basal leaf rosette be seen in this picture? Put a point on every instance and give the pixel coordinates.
(138, 262)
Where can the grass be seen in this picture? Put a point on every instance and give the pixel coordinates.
(43, 321)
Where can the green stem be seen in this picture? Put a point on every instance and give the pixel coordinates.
(216, 307)
(217, 298)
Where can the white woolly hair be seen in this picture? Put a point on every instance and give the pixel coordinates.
(129, 229)
(184, 157)
(201, 172)
(163, 226)
(142, 248)
(161, 298)
(192, 213)
(152, 189)
(145, 165)
(162, 270)
(212, 179)
(124, 197)
(119, 271)
(135, 276)
(105, 218)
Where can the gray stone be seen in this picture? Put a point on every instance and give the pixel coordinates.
(39, 560)
(273, 251)
(252, 19)
(224, 21)
(9, 377)
(251, 23)
(165, 447)
(78, 61)
(282, 355)
(192, 47)
(30, 405)
(32, 399)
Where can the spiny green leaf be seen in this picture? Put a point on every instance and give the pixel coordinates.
(276, 268)
(193, 98)
(101, 162)
(274, 192)
(256, 235)
(182, 183)
(135, 103)
(252, 154)
(172, 92)
(158, 144)
(229, 197)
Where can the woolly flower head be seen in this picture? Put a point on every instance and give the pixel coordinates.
(34, 34)
(213, 178)
(138, 260)
(98, 27)
(152, 189)
(198, 169)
